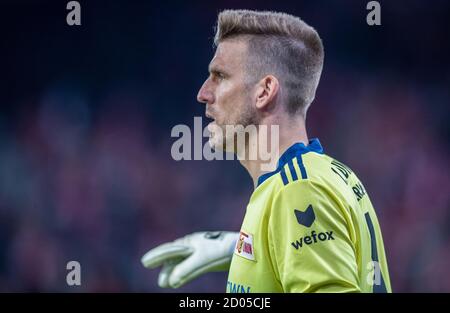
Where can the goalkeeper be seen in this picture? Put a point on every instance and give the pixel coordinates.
(309, 225)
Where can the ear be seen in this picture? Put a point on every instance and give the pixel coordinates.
(266, 91)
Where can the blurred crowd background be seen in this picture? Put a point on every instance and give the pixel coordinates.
(86, 112)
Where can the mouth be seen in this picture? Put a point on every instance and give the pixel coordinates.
(209, 117)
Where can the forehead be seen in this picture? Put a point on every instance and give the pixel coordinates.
(229, 54)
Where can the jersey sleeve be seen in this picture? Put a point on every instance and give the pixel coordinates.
(309, 241)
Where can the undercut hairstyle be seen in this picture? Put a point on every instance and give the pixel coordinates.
(279, 44)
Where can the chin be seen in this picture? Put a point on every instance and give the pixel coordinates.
(230, 145)
(218, 143)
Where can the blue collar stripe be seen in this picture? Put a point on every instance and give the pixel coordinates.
(296, 150)
(302, 167)
(284, 177)
(292, 169)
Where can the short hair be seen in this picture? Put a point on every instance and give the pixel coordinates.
(279, 44)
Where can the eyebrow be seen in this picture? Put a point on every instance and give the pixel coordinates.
(215, 69)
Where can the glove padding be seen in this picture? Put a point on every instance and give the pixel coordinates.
(191, 256)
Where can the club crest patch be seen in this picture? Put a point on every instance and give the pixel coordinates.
(244, 246)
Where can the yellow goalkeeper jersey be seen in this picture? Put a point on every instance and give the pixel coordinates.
(309, 227)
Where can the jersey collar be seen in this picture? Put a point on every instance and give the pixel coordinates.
(297, 149)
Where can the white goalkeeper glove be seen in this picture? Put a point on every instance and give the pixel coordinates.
(191, 256)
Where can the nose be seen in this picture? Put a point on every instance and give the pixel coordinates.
(205, 94)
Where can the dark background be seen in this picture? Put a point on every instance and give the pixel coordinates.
(86, 112)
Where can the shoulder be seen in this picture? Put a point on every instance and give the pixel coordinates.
(309, 173)
(318, 175)
(303, 192)
(315, 197)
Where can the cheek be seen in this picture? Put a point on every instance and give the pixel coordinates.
(231, 100)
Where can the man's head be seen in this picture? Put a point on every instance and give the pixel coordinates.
(265, 62)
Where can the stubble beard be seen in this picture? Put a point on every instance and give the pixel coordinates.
(224, 136)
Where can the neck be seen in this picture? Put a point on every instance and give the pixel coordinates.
(289, 132)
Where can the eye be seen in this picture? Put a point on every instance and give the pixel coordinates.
(219, 76)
